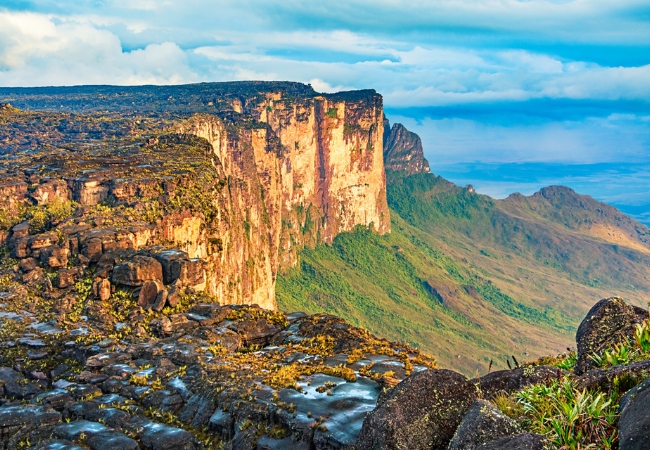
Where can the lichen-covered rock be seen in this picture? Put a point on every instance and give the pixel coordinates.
(509, 381)
(608, 322)
(482, 424)
(422, 412)
(634, 422)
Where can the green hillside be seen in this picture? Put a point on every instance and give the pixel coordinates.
(468, 278)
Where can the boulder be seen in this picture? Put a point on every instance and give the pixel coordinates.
(634, 423)
(149, 293)
(422, 412)
(509, 381)
(19, 415)
(92, 249)
(177, 266)
(36, 276)
(137, 271)
(54, 257)
(609, 322)
(111, 439)
(257, 331)
(169, 260)
(161, 300)
(174, 296)
(66, 278)
(523, 441)
(28, 264)
(482, 424)
(103, 289)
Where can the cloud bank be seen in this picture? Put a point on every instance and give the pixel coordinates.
(495, 79)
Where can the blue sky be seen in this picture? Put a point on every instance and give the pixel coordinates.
(493, 82)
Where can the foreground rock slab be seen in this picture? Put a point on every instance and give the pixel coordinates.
(422, 412)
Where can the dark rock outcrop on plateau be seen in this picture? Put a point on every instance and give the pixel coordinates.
(608, 322)
(403, 150)
(422, 412)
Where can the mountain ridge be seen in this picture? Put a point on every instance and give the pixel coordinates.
(534, 262)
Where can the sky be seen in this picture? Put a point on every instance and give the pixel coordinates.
(508, 94)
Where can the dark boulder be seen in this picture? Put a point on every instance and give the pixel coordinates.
(509, 381)
(169, 259)
(422, 412)
(482, 424)
(634, 423)
(608, 322)
(149, 294)
(524, 441)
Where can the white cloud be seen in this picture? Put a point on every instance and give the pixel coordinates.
(35, 50)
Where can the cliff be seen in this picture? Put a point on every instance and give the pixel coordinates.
(403, 150)
(276, 167)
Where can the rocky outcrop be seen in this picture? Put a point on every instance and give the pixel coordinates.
(208, 378)
(235, 189)
(608, 322)
(403, 151)
(422, 412)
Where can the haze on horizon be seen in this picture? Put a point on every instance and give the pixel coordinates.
(509, 95)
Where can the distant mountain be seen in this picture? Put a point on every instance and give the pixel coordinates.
(469, 278)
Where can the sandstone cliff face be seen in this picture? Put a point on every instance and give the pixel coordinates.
(403, 151)
(275, 167)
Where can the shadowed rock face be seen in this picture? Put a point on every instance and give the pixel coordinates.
(403, 151)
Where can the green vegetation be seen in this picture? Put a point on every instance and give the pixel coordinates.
(468, 278)
(571, 418)
(41, 218)
(331, 113)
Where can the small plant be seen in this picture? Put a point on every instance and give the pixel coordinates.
(331, 113)
(569, 362)
(569, 417)
(621, 353)
(642, 336)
